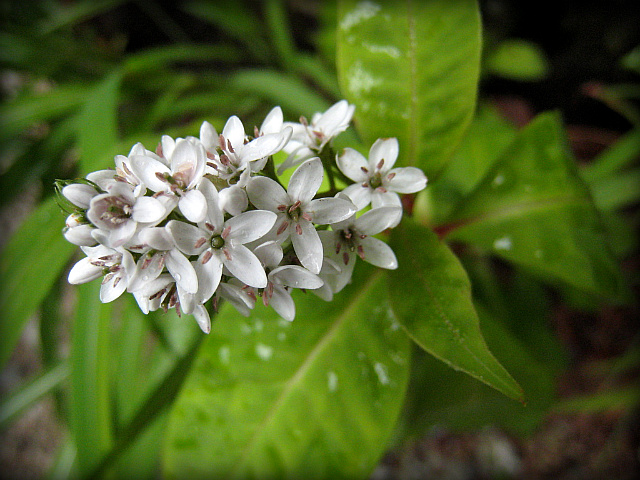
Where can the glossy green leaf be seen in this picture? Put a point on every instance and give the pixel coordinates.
(90, 402)
(431, 296)
(314, 398)
(487, 137)
(98, 125)
(533, 209)
(461, 403)
(411, 68)
(519, 60)
(30, 263)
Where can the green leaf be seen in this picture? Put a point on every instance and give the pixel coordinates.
(288, 91)
(98, 125)
(314, 398)
(411, 68)
(487, 137)
(624, 398)
(22, 113)
(518, 59)
(533, 209)
(461, 403)
(90, 403)
(27, 395)
(431, 296)
(617, 191)
(619, 156)
(30, 263)
(280, 32)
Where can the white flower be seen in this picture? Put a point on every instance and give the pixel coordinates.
(281, 278)
(117, 213)
(80, 194)
(352, 238)
(309, 139)
(237, 153)
(178, 177)
(297, 210)
(237, 294)
(160, 251)
(376, 181)
(164, 292)
(221, 243)
(78, 231)
(123, 171)
(117, 266)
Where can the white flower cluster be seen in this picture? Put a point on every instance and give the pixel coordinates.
(204, 219)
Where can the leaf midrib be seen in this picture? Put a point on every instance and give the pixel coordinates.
(301, 372)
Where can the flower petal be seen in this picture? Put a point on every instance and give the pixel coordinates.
(378, 253)
(157, 238)
(80, 194)
(148, 210)
(273, 121)
(383, 149)
(112, 289)
(214, 214)
(102, 178)
(249, 226)
(266, 194)
(282, 303)
(168, 145)
(353, 165)
(330, 210)
(209, 275)
(233, 132)
(261, 147)
(145, 168)
(193, 206)
(237, 297)
(80, 235)
(405, 180)
(84, 271)
(306, 180)
(382, 199)
(269, 253)
(182, 270)
(209, 136)
(308, 247)
(187, 236)
(336, 119)
(122, 234)
(233, 200)
(378, 219)
(245, 266)
(359, 195)
(295, 276)
(201, 315)
(147, 270)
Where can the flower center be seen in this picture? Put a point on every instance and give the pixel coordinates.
(217, 241)
(376, 180)
(116, 210)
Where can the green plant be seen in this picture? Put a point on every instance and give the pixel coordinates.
(323, 396)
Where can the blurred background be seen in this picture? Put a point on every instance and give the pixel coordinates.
(189, 61)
